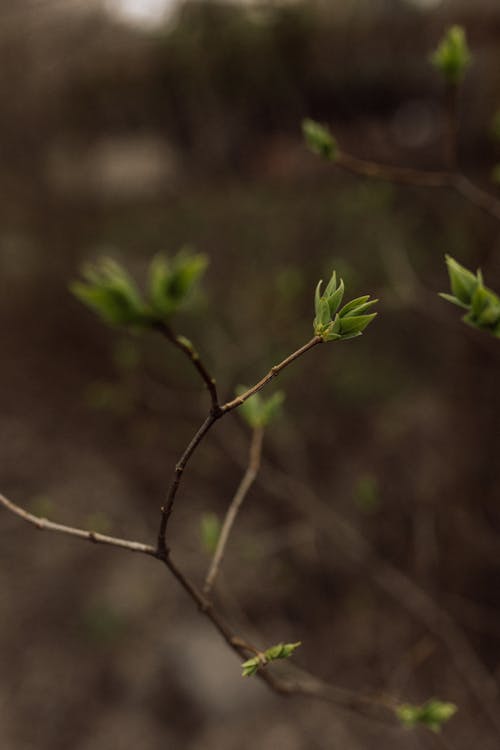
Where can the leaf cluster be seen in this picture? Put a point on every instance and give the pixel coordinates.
(280, 651)
(431, 714)
(469, 293)
(332, 324)
(109, 291)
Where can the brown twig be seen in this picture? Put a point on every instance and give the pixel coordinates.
(230, 405)
(188, 349)
(234, 507)
(307, 685)
(450, 180)
(90, 536)
(213, 416)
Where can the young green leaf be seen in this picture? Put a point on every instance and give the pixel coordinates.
(171, 281)
(452, 56)
(462, 281)
(432, 714)
(349, 322)
(469, 293)
(319, 139)
(110, 292)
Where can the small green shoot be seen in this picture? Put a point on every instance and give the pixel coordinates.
(320, 140)
(431, 714)
(332, 324)
(452, 56)
(280, 651)
(482, 305)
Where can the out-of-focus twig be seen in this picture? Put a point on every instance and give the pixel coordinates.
(234, 507)
(451, 180)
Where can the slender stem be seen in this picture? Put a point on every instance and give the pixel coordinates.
(90, 536)
(307, 685)
(166, 510)
(186, 346)
(450, 180)
(273, 372)
(401, 175)
(234, 507)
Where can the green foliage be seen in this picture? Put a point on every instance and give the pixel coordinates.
(350, 321)
(469, 293)
(280, 651)
(452, 56)
(210, 527)
(110, 292)
(171, 281)
(431, 714)
(258, 411)
(319, 139)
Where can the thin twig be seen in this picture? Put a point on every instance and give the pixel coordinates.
(234, 507)
(213, 416)
(455, 181)
(90, 536)
(185, 346)
(166, 510)
(230, 405)
(307, 685)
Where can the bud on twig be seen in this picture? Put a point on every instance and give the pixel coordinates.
(431, 714)
(280, 651)
(348, 322)
(469, 293)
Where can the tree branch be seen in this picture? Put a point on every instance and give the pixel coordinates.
(90, 536)
(213, 416)
(234, 507)
(273, 372)
(188, 349)
(305, 685)
(451, 180)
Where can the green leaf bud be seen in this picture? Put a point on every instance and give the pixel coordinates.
(319, 139)
(432, 714)
(452, 56)
(171, 281)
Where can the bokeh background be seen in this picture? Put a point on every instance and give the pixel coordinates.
(129, 128)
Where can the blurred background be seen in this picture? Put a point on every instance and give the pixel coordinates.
(130, 127)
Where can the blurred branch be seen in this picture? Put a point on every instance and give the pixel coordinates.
(451, 180)
(234, 507)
